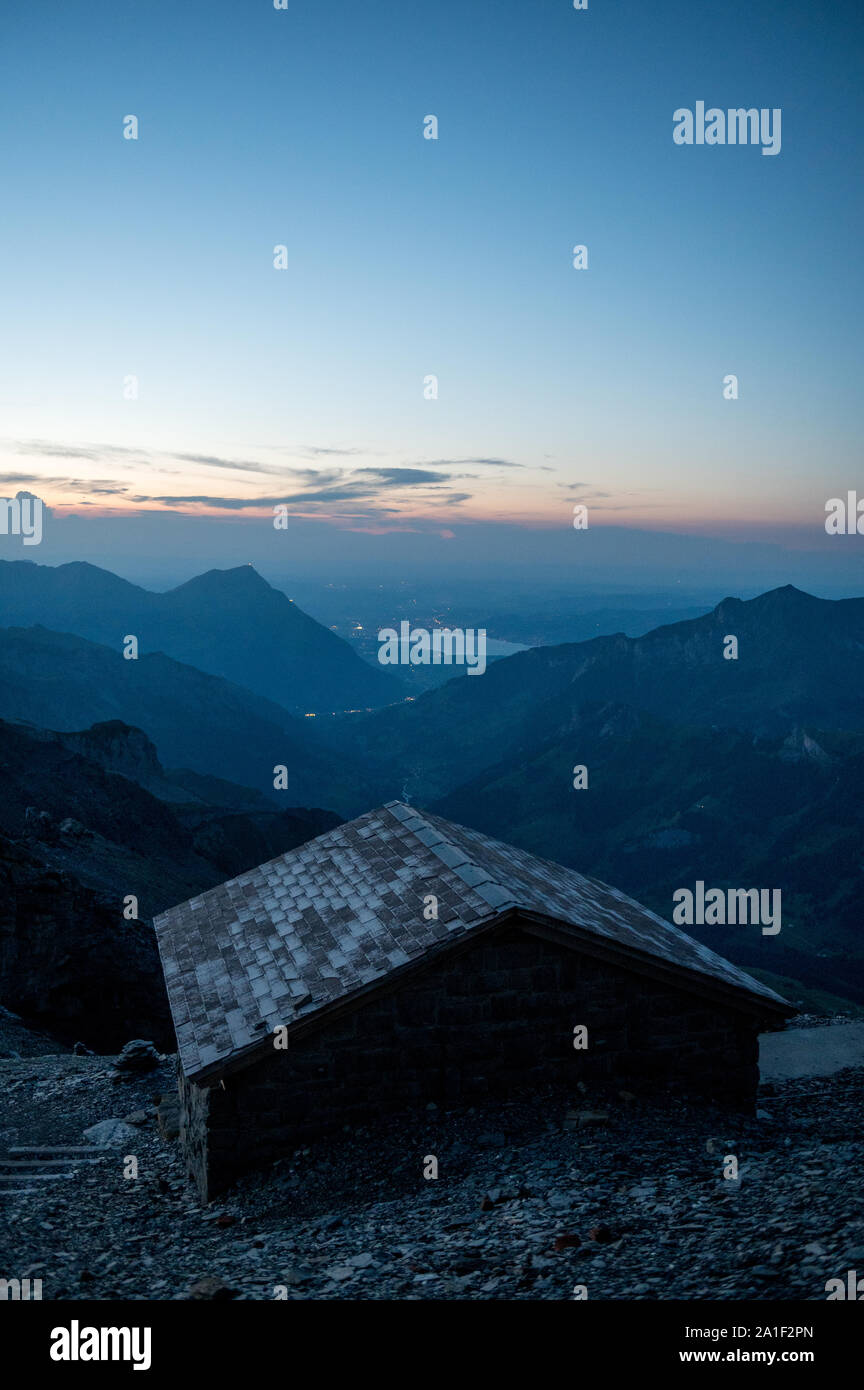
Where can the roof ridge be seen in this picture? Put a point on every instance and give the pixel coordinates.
(452, 856)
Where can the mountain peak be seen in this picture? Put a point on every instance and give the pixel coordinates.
(788, 591)
(239, 579)
(788, 598)
(83, 578)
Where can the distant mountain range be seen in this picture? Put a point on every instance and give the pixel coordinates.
(800, 661)
(228, 623)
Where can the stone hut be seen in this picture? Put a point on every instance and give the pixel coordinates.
(401, 959)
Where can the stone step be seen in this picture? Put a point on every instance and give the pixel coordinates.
(35, 1177)
(45, 1162)
(51, 1149)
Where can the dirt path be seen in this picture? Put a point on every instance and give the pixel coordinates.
(802, 1052)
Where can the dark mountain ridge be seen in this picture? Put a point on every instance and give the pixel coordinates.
(79, 840)
(197, 721)
(75, 800)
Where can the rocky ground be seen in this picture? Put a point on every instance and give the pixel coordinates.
(531, 1199)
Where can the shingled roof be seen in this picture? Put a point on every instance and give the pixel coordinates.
(341, 913)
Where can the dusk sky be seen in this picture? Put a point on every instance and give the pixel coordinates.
(409, 257)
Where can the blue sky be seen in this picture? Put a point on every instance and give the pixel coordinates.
(408, 257)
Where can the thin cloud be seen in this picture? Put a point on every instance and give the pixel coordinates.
(15, 478)
(235, 465)
(95, 453)
(226, 503)
(317, 449)
(392, 477)
(467, 463)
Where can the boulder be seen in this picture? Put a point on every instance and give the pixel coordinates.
(110, 1134)
(137, 1056)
